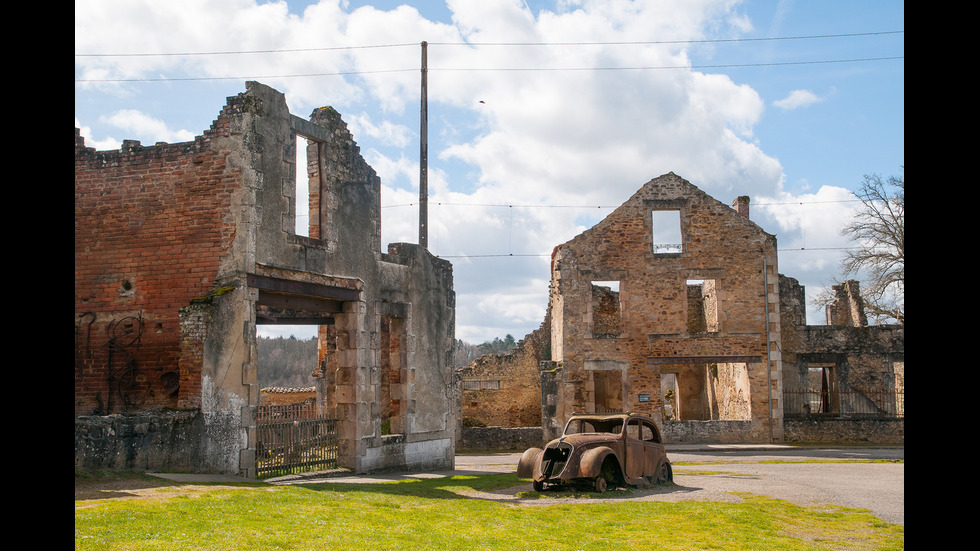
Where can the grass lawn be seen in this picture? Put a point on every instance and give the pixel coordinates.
(443, 514)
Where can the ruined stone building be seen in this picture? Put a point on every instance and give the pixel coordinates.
(843, 381)
(673, 306)
(181, 250)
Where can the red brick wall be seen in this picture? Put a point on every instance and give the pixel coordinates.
(285, 397)
(151, 224)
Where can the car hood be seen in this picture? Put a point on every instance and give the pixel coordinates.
(585, 439)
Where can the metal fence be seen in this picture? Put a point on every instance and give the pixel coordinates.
(804, 403)
(293, 440)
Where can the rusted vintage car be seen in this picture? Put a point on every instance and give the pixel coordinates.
(600, 450)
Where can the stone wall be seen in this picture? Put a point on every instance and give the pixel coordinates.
(182, 250)
(829, 430)
(718, 432)
(501, 438)
(715, 316)
(147, 441)
(864, 363)
(698, 301)
(505, 389)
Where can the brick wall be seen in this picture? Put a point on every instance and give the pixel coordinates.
(151, 224)
(285, 396)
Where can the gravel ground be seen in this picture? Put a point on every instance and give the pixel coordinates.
(799, 475)
(803, 476)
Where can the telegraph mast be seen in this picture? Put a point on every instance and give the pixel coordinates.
(424, 155)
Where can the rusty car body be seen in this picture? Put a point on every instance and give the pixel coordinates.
(600, 450)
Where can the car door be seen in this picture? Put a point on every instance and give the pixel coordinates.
(635, 454)
(653, 447)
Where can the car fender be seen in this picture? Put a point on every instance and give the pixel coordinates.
(525, 467)
(591, 462)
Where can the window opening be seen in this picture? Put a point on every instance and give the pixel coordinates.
(392, 376)
(703, 306)
(668, 386)
(302, 219)
(293, 431)
(287, 356)
(822, 389)
(633, 430)
(481, 385)
(667, 232)
(650, 433)
(606, 309)
(607, 391)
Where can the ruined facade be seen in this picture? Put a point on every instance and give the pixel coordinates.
(673, 306)
(181, 250)
(673, 294)
(503, 389)
(843, 381)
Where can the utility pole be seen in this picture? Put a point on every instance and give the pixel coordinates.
(424, 155)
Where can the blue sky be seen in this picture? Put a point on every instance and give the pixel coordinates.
(543, 115)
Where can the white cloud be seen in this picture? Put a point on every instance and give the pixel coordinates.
(544, 138)
(385, 132)
(138, 124)
(797, 99)
(90, 141)
(808, 229)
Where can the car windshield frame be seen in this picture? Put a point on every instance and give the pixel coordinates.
(595, 425)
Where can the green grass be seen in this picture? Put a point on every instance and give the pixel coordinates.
(789, 461)
(442, 514)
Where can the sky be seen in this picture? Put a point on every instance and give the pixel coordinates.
(543, 115)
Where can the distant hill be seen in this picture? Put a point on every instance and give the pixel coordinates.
(286, 362)
(289, 362)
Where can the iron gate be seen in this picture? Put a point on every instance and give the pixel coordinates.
(294, 440)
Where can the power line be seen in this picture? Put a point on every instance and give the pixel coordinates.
(544, 255)
(657, 67)
(304, 75)
(503, 205)
(512, 205)
(250, 52)
(538, 255)
(501, 69)
(660, 42)
(415, 44)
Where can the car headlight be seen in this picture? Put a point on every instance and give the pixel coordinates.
(555, 458)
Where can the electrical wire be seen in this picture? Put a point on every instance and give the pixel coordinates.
(511, 205)
(499, 69)
(249, 52)
(413, 44)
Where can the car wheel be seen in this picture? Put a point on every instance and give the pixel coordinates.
(538, 486)
(600, 484)
(663, 473)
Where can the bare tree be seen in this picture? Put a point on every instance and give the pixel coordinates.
(879, 232)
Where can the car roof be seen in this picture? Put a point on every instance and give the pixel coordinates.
(609, 416)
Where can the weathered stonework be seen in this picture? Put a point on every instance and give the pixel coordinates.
(286, 396)
(860, 370)
(503, 389)
(701, 310)
(182, 249)
(702, 332)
